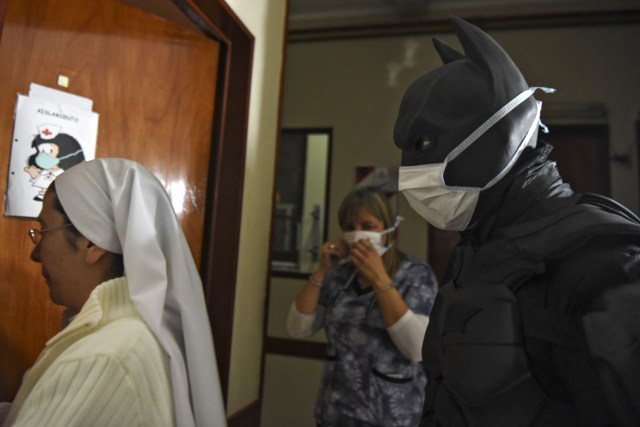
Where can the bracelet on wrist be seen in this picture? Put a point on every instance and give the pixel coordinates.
(315, 282)
(385, 288)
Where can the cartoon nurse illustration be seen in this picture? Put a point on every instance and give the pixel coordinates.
(55, 152)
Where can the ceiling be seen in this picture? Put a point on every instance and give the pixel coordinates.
(315, 18)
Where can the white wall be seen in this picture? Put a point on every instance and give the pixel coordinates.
(355, 86)
(265, 19)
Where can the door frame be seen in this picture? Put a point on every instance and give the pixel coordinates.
(223, 209)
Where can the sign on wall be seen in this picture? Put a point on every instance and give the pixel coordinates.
(53, 130)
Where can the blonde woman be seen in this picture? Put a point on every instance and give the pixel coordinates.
(373, 303)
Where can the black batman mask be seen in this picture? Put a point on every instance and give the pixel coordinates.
(443, 107)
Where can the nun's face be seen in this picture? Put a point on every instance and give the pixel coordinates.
(60, 257)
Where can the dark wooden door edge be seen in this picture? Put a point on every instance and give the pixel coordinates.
(223, 211)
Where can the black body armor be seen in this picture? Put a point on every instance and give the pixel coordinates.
(540, 326)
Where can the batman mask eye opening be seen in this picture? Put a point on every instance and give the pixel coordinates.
(424, 143)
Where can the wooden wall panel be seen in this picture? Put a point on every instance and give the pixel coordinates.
(154, 86)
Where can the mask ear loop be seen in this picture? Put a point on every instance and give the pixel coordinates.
(484, 127)
(71, 155)
(395, 225)
(349, 280)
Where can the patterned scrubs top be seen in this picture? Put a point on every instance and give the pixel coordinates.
(366, 381)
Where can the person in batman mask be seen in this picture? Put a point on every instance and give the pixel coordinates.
(538, 320)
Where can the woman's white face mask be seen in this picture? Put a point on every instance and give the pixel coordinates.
(375, 237)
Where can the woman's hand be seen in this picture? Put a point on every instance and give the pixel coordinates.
(371, 269)
(330, 254)
(369, 264)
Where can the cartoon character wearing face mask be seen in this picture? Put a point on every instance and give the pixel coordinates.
(55, 152)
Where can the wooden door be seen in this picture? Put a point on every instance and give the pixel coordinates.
(155, 86)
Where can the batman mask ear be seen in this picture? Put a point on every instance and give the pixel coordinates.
(489, 56)
(446, 52)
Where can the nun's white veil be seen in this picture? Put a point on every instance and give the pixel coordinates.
(120, 206)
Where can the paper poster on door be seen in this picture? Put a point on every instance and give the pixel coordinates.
(53, 130)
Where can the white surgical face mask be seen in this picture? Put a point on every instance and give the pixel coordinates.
(451, 207)
(443, 208)
(375, 237)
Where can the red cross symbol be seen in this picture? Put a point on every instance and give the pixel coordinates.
(46, 132)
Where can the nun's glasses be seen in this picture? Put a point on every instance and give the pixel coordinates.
(36, 235)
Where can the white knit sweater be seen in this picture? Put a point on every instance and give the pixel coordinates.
(105, 368)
